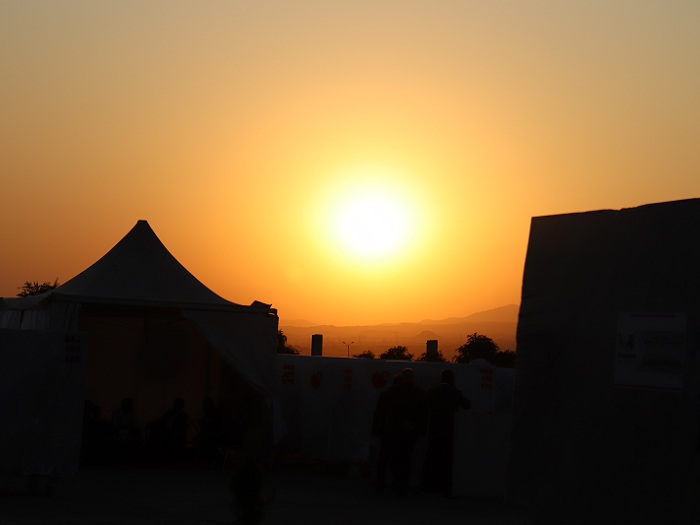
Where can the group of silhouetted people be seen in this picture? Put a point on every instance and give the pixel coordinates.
(122, 440)
(404, 414)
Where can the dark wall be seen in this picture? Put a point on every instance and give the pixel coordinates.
(589, 445)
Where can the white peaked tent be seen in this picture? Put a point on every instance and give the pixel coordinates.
(154, 332)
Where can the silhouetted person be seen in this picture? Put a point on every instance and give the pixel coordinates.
(697, 446)
(126, 431)
(211, 431)
(380, 430)
(251, 429)
(247, 483)
(96, 433)
(238, 421)
(406, 423)
(444, 401)
(167, 435)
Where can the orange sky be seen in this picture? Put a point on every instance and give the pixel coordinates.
(239, 129)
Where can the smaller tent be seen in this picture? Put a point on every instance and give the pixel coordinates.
(154, 332)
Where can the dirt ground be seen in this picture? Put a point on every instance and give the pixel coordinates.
(294, 496)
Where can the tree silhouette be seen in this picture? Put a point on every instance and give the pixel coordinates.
(282, 346)
(34, 288)
(439, 358)
(367, 354)
(397, 352)
(477, 347)
(505, 359)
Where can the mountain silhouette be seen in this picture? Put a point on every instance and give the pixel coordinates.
(499, 324)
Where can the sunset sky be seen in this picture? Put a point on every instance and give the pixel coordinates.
(349, 162)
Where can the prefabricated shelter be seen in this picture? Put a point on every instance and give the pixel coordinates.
(606, 406)
(329, 403)
(153, 332)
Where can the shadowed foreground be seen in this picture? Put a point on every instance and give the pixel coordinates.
(297, 496)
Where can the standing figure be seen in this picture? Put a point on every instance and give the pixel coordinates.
(96, 433)
(126, 431)
(380, 430)
(443, 402)
(167, 435)
(406, 420)
(211, 432)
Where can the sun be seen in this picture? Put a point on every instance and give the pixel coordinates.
(370, 217)
(371, 223)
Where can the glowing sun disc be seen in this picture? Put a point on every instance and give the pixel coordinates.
(371, 224)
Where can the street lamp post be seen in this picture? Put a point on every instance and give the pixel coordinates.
(348, 345)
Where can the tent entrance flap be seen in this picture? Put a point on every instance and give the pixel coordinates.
(247, 342)
(244, 341)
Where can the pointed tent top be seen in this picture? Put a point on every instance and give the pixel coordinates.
(140, 270)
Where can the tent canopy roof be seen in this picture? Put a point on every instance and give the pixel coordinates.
(139, 269)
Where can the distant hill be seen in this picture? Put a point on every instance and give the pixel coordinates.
(504, 314)
(499, 324)
(299, 323)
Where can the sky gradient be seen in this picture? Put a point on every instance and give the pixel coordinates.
(238, 129)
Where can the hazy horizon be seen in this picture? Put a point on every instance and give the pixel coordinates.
(500, 324)
(307, 323)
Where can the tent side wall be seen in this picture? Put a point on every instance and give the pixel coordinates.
(598, 433)
(41, 386)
